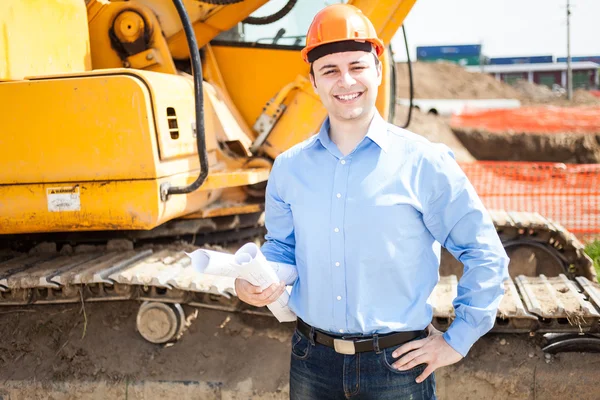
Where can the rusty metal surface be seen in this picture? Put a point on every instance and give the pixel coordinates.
(40, 274)
(20, 264)
(555, 297)
(591, 289)
(98, 272)
(542, 298)
(154, 270)
(511, 305)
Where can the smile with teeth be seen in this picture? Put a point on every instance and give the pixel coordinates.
(348, 97)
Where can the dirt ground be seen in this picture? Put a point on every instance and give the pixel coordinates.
(54, 343)
(59, 343)
(444, 80)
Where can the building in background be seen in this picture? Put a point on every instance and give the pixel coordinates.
(539, 69)
(521, 60)
(467, 54)
(579, 77)
(595, 59)
(585, 73)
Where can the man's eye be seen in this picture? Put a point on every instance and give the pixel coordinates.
(328, 72)
(358, 68)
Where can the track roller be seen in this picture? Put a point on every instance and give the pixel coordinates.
(160, 322)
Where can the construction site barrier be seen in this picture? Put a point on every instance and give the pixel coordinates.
(566, 193)
(544, 120)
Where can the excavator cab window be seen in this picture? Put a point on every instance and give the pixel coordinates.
(278, 23)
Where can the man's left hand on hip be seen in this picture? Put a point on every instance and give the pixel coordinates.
(432, 350)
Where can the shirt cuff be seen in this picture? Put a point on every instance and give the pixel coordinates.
(461, 336)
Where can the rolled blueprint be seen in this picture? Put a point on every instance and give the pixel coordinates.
(254, 267)
(250, 264)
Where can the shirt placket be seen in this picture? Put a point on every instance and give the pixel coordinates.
(340, 183)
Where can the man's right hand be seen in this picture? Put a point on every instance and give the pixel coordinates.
(253, 295)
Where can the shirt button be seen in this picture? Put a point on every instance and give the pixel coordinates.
(336, 230)
(339, 195)
(337, 264)
(339, 297)
(343, 162)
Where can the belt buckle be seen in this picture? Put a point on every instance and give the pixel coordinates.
(344, 346)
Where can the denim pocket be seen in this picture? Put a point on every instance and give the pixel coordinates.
(387, 360)
(300, 346)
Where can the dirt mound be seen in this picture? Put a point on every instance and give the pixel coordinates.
(584, 97)
(532, 93)
(434, 128)
(444, 80)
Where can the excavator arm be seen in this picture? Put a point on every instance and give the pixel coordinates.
(276, 128)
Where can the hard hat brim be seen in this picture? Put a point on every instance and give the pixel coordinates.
(377, 44)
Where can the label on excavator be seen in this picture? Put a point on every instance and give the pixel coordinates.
(63, 199)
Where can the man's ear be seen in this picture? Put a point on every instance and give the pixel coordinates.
(379, 73)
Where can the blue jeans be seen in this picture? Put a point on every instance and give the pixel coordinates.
(318, 372)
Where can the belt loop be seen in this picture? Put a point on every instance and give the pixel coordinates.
(376, 344)
(311, 336)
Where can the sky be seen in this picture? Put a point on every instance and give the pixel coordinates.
(504, 28)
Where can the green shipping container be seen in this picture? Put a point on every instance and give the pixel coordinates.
(460, 60)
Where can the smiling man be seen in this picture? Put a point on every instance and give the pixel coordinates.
(361, 209)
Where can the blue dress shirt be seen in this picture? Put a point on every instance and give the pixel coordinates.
(364, 231)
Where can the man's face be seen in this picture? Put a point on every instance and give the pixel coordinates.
(347, 83)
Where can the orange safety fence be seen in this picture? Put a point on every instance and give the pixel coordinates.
(544, 120)
(566, 193)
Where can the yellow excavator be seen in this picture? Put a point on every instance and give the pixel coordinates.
(129, 127)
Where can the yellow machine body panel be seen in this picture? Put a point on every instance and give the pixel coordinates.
(90, 151)
(43, 37)
(264, 66)
(113, 205)
(105, 125)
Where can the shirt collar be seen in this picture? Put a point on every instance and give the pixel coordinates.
(377, 133)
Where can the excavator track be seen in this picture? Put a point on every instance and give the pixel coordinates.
(562, 248)
(161, 277)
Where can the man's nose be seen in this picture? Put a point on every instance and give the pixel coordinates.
(346, 79)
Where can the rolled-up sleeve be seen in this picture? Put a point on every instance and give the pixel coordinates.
(458, 220)
(280, 242)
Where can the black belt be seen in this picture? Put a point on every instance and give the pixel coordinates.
(358, 345)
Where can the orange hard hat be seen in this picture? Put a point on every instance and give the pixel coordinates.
(341, 23)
